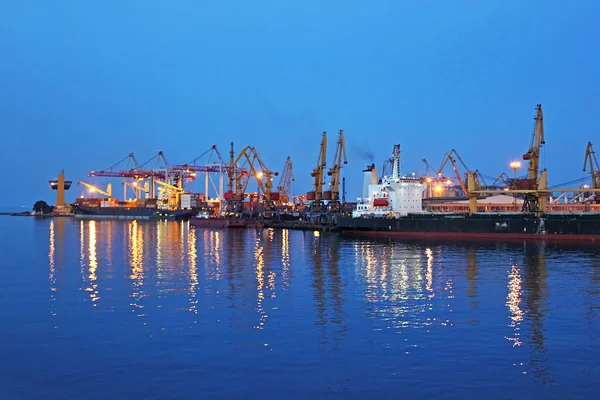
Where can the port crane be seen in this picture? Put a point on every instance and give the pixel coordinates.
(316, 196)
(534, 180)
(94, 189)
(252, 166)
(450, 156)
(594, 169)
(138, 188)
(335, 171)
(211, 163)
(285, 183)
(173, 192)
(535, 186)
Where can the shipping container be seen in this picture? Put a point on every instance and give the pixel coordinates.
(327, 195)
(185, 201)
(310, 195)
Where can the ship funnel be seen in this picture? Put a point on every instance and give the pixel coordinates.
(369, 178)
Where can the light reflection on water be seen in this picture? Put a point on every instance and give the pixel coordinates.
(388, 311)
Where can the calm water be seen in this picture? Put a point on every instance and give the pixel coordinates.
(160, 310)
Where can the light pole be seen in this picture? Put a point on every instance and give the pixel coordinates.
(515, 165)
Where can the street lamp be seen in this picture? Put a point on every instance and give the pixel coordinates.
(515, 165)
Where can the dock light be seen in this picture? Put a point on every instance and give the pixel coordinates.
(438, 188)
(515, 165)
(448, 182)
(259, 175)
(428, 180)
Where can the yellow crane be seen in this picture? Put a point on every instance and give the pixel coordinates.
(257, 169)
(173, 192)
(317, 172)
(138, 189)
(95, 189)
(285, 182)
(448, 157)
(591, 160)
(336, 168)
(534, 187)
(537, 140)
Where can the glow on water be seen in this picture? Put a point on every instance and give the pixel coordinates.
(162, 310)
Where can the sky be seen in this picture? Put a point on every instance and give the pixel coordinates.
(85, 83)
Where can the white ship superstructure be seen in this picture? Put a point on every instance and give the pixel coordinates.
(394, 196)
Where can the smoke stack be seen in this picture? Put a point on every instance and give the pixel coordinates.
(373, 175)
(369, 175)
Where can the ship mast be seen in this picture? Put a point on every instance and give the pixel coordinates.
(396, 162)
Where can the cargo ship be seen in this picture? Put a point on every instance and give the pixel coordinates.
(393, 207)
(142, 209)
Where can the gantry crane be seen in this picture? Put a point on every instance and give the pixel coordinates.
(471, 178)
(94, 189)
(249, 164)
(174, 191)
(285, 183)
(534, 180)
(318, 173)
(335, 171)
(505, 179)
(535, 186)
(448, 157)
(138, 188)
(590, 159)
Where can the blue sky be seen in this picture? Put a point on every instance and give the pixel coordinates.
(85, 83)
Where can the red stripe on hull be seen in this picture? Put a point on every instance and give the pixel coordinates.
(473, 236)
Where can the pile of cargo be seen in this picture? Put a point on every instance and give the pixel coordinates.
(89, 202)
(146, 203)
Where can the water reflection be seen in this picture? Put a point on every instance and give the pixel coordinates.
(52, 274)
(136, 259)
(328, 286)
(92, 285)
(213, 248)
(535, 299)
(265, 276)
(401, 283)
(285, 257)
(513, 302)
(193, 268)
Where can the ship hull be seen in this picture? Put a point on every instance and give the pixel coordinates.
(130, 213)
(493, 226)
(217, 223)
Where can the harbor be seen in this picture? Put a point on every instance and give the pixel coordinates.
(392, 203)
(300, 200)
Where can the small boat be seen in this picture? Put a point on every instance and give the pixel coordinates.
(204, 219)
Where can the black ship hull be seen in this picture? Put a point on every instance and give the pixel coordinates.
(137, 213)
(477, 226)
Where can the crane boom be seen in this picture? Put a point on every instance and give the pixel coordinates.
(537, 140)
(176, 189)
(448, 157)
(317, 172)
(335, 170)
(94, 189)
(263, 175)
(285, 182)
(591, 160)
